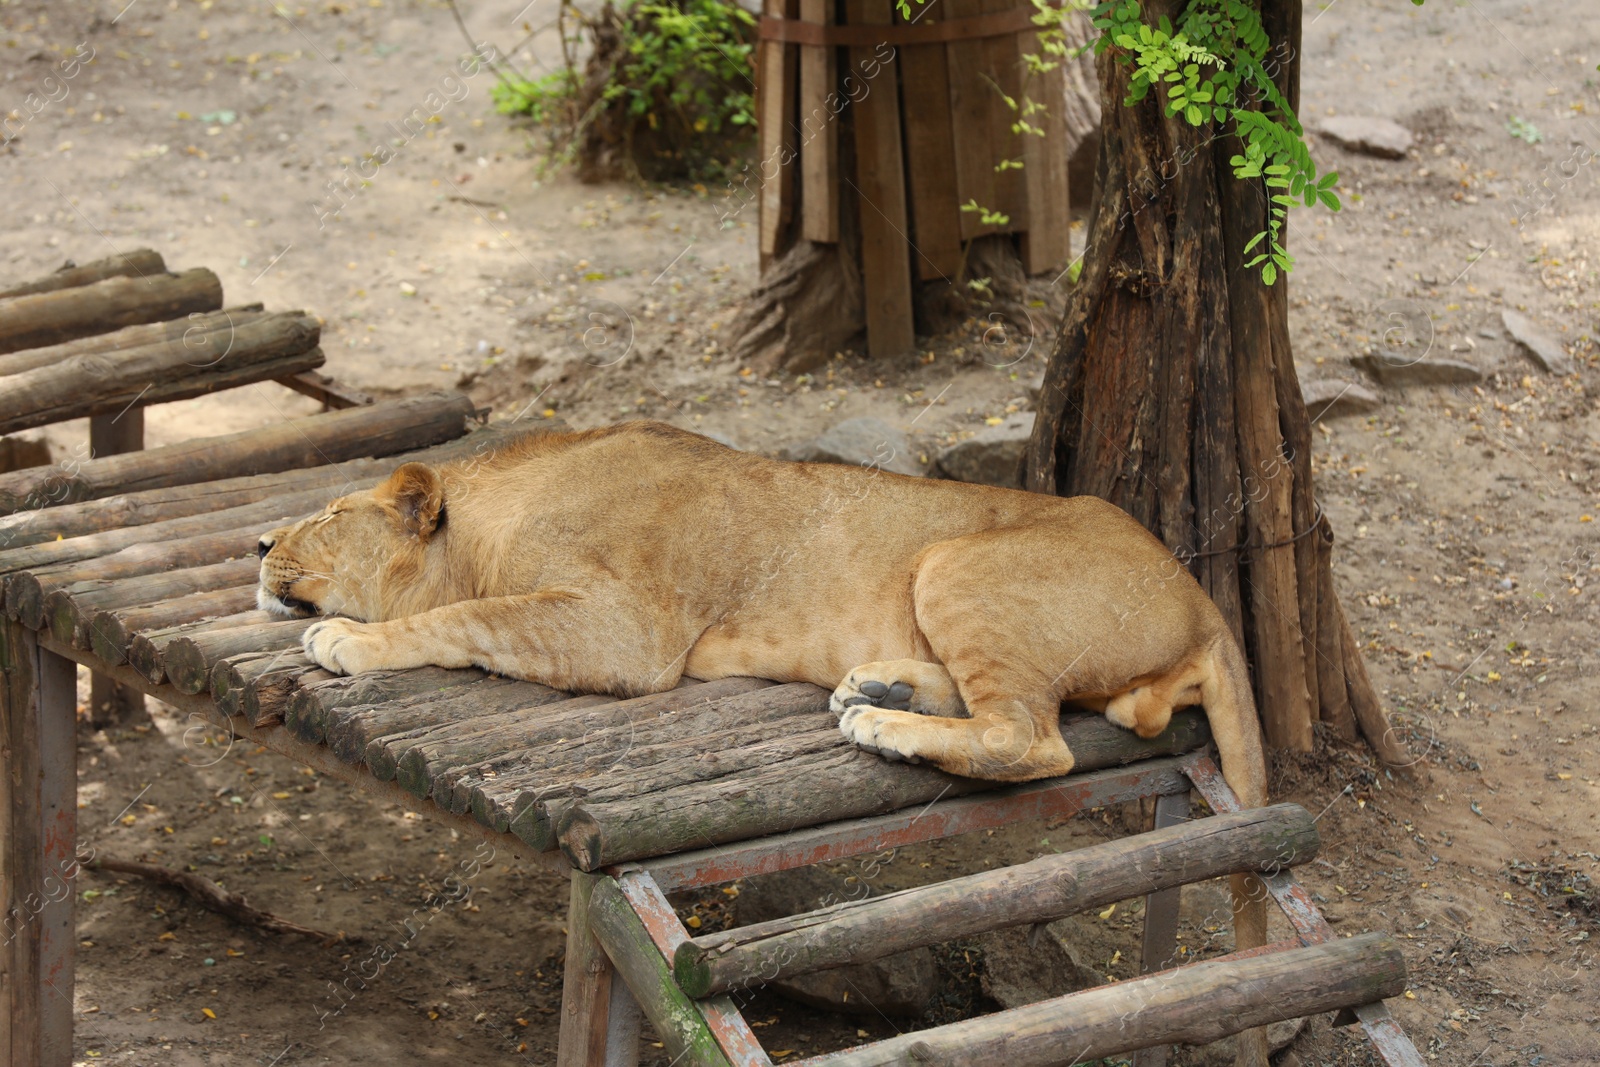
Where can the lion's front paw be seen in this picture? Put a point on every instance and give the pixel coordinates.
(890, 734)
(348, 647)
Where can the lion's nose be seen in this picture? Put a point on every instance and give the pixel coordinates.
(263, 547)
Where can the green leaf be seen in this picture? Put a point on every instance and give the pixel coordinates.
(1254, 241)
(1269, 274)
(1329, 201)
(1192, 113)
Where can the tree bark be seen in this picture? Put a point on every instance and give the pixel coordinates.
(1172, 393)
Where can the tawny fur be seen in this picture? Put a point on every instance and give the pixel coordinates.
(619, 560)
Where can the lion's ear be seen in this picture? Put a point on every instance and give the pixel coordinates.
(417, 494)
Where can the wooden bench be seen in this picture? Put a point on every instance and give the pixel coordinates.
(143, 572)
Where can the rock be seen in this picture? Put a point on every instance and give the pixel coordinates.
(860, 442)
(903, 984)
(992, 456)
(1332, 399)
(1390, 371)
(1370, 136)
(1027, 964)
(1540, 347)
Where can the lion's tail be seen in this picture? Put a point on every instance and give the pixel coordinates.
(1231, 711)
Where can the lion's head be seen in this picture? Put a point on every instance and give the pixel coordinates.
(356, 555)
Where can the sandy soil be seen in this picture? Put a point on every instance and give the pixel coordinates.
(1467, 552)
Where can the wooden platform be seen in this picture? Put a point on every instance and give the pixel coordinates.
(142, 569)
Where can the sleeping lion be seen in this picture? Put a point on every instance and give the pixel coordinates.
(951, 620)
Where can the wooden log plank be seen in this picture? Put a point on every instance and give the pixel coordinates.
(271, 347)
(819, 132)
(671, 765)
(189, 659)
(881, 192)
(152, 558)
(379, 735)
(1194, 1005)
(69, 609)
(312, 704)
(53, 316)
(426, 759)
(781, 796)
(124, 510)
(38, 838)
(931, 155)
(146, 650)
(628, 945)
(1042, 890)
(1052, 799)
(188, 330)
(256, 686)
(633, 752)
(34, 559)
(775, 169)
(138, 263)
(316, 440)
(111, 631)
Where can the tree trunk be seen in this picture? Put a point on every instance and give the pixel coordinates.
(1172, 393)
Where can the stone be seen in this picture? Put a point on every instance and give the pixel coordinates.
(863, 442)
(903, 984)
(992, 456)
(1027, 964)
(1370, 136)
(1400, 372)
(1538, 346)
(1331, 399)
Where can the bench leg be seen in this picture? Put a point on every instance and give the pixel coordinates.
(1161, 919)
(38, 864)
(590, 993)
(111, 704)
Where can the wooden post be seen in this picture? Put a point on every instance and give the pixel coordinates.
(586, 981)
(1047, 888)
(111, 704)
(881, 190)
(818, 133)
(1161, 918)
(38, 863)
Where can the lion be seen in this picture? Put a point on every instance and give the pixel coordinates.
(950, 620)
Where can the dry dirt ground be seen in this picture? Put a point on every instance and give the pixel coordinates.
(1467, 554)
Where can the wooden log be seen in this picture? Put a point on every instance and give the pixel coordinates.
(819, 132)
(256, 686)
(30, 527)
(38, 836)
(380, 734)
(147, 649)
(313, 704)
(271, 347)
(66, 611)
(776, 105)
(316, 440)
(188, 329)
(672, 765)
(931, 156)
(151, 558)
(586, 980)
(785, 795)
(881, 190)
(50, 317)
(676, 1018)
(1192, 1005)
(1045, 889)
(424, 760)
(111, 704)
(138, 263)
(111, 631)
(55, 555)
(189, 659)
